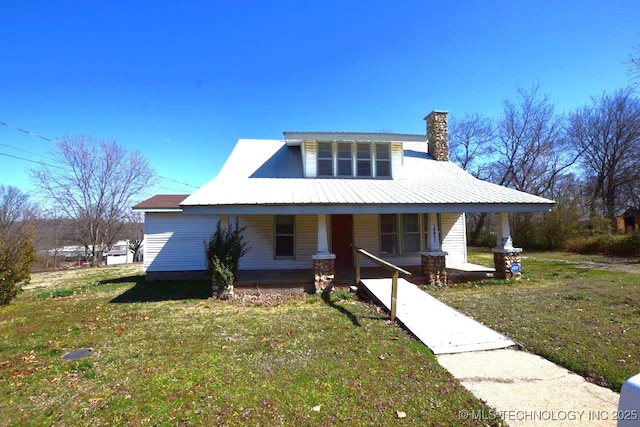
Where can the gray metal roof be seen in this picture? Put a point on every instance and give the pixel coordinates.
(251, 181)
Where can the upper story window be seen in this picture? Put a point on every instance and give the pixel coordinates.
(325, 159)
(349, 159)
(364, 160)
(345, 159)
(383, 160)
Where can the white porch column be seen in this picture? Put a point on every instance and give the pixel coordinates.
(503, 239)
(506, 258)
(323, 261)
(323, 241)
(224, 222)
(433, 260)
(433, 233)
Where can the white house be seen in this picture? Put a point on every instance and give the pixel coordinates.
(119, 253)
(308, 199)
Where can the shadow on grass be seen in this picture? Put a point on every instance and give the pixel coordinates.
(161, 291)
(326, 297)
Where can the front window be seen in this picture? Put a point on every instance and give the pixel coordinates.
(410, 233)
(325, 159)
(284, 236)
(364, 159)
(388, 234)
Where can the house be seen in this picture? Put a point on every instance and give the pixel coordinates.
(628, 220)
(307, 200)
(120, 253)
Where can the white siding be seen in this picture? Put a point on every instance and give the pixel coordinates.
(174, 242)
(310, 159)
(454, 238)
(366, 235)
(396, 158)
(260, 236)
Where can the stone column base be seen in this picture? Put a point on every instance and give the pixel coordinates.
(323, 271)
(507, 263)
(434, 267)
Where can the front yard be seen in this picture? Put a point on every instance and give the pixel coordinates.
(168, 355)
(581, 312)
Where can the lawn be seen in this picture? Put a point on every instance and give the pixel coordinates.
(166, 354)
(581, 312)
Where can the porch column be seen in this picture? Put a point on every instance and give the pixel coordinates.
(433, 259)
(506, 258)
(323, 261)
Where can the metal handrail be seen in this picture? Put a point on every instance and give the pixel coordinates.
(394, 269)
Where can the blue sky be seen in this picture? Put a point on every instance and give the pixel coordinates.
(183, 82)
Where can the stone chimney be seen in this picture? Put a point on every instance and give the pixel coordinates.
(437, 135)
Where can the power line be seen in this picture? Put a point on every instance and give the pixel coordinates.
(28, 152)
(29, 160)
(27, 132)
(35, 135)
(178, 182)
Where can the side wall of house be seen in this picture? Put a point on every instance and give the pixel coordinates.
(454, 237)
(174, 242)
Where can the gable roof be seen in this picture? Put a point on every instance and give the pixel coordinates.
(162, 202)
(265, 176)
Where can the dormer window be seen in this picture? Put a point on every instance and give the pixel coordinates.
(383, 160)
(353, 159)
(345, 159)
(364, 160)
(325, 159)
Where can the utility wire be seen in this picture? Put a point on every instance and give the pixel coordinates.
(27, 132)
(32, 161)
(28, 152)
(35, 135)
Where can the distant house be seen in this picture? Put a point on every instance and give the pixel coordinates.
(628, 220)
(307, 200)
(119, 253)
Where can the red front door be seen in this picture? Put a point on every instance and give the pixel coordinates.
(342, 239)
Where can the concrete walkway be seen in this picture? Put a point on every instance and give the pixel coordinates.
(522, 388)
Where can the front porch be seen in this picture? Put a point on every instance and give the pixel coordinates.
(298, 280)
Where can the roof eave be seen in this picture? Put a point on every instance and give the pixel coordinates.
(313, 209)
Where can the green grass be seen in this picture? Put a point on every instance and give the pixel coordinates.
(166, 354)
(581, 316)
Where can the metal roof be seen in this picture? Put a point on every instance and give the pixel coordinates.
(250, 181)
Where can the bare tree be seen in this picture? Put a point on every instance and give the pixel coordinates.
(17, 249)
(634, 66)
(94, 182)
(531, 148)
(471, 143)
(607, 132)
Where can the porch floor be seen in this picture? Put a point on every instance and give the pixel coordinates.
(298, 279)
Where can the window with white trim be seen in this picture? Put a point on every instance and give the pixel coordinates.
(363, 160)
(325, 159)
(400, 234)
(383, 159)
(345, 159)
(388, 234)
(410, 233)
(284, 236)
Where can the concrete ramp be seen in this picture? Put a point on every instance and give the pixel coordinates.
(440, 327)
